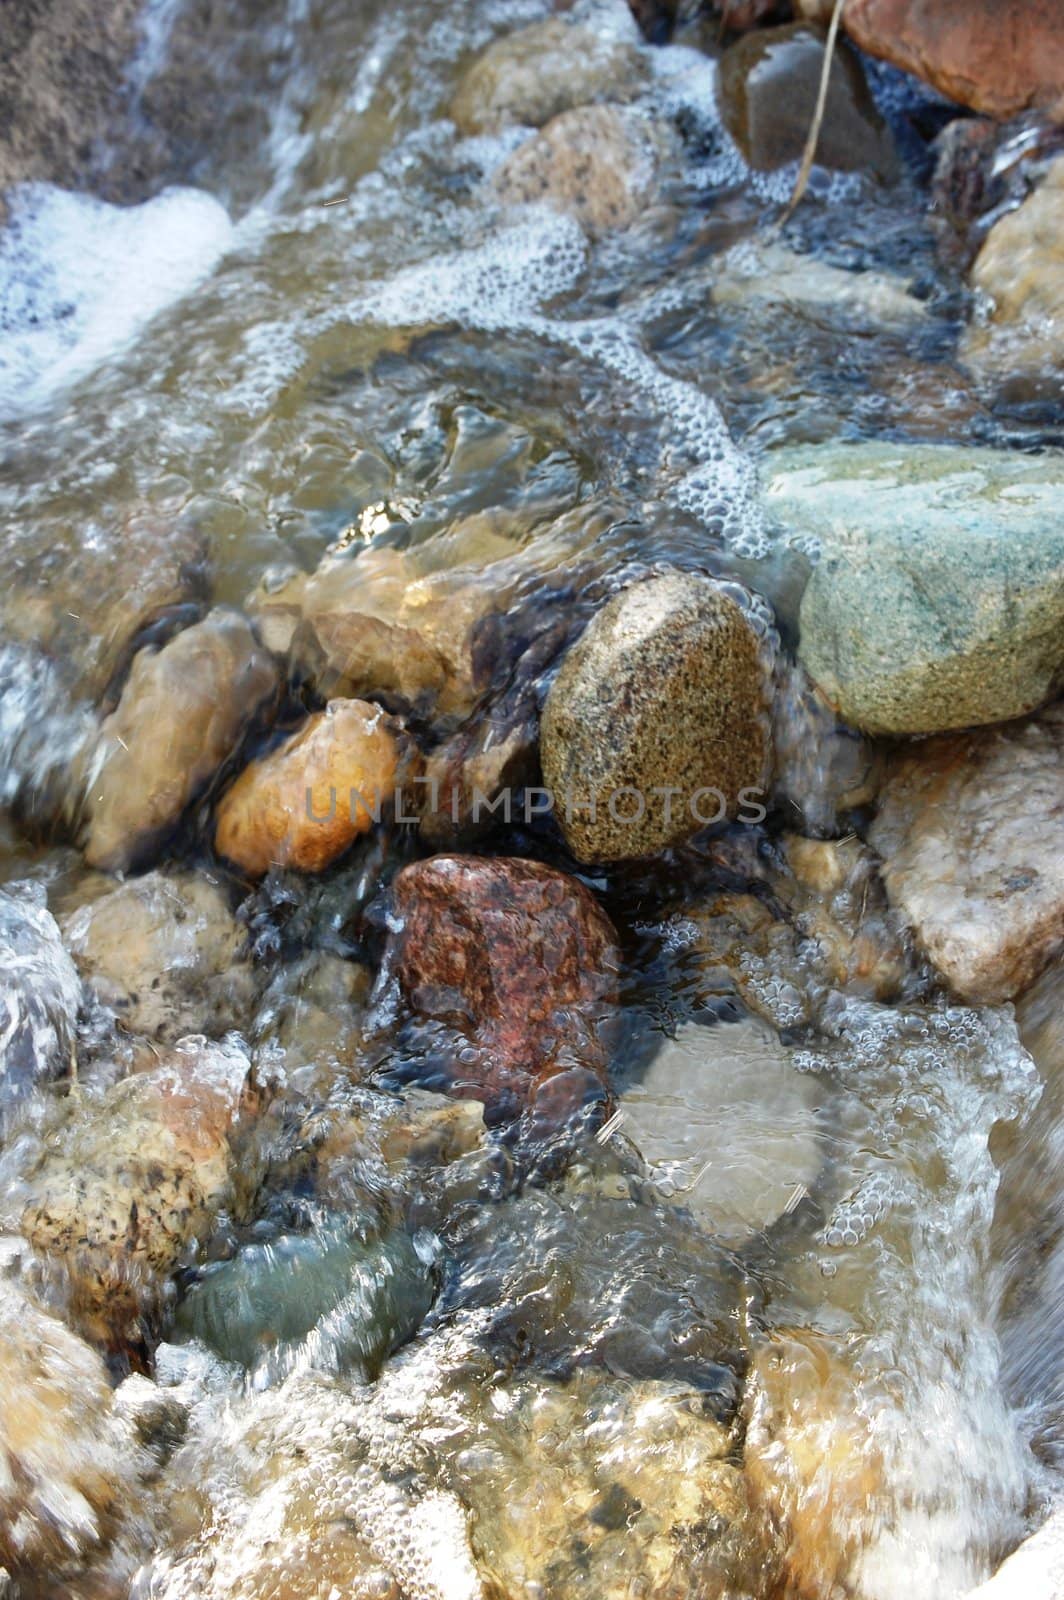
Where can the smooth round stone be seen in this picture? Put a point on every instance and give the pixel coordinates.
(727, 1125)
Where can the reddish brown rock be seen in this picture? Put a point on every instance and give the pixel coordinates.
(997, 56)
(505, 973)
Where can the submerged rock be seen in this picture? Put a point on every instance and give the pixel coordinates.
(657, 724)
(1020, 271)
(40, 994)
(937, 600)
(307, 801)
(181, 714)
(971, 831)
(768, 87)
(726, 1123)
(534, 74)
(68, 1468)
(997, 56)
(132, 1185)
(503, 975)
(596, 163)
(166, 953)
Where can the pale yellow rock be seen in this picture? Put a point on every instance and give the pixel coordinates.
(1020, 271)
(532, 75)
(306, 802)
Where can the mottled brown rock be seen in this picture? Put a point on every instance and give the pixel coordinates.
(182, 712)
(505, 972)
(971, 831)
(997, 56)
(533, 75)
(1020, 273)
(133, 1183)
(768, 87)
(596, 163)
(667, 688)
(166, 952)
(307, 801)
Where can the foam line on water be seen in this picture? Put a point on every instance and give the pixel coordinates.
(81, 279)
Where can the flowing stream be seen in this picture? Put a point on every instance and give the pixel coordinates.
(804, 1294)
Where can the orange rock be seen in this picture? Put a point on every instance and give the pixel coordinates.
(303, 804)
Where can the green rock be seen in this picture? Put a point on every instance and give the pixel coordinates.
(937, 600)
(362, 1298)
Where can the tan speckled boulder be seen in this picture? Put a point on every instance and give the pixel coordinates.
(303, 804)
(596, 163)
(667, 688)
(534, 74)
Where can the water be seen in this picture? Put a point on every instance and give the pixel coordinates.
(784, 1325)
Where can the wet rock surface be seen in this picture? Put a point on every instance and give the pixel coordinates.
(997, 56)
(667, 687)
(936, 597)
(1020, 270)
(307, 801)
(768, 87)
(166, 953)
(969, 829)
(181, 714)
(533, 75)
(595, 163)
(42, 997)
(502, 974)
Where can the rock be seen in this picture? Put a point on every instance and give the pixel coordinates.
(492, 755)
(166, 953)
(275, 606)
(337, 1296)
(40, 995)
(725, 1122)
(532, 75)
(89, 606)
(768, 86)
(132, 1185)
(504, 975)
(1020, 271)
(971, 831)
(938, 596)
(68, 1469)
(656, 18)
(752, 274)
(312, 1012)
(840, 912)
(596, 163)
(1036, 1568)
(181, 714)
(996, 56)
(823, 768)
(307, 801)
(666, 689)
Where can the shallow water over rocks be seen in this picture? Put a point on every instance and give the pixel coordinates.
(510, 1222)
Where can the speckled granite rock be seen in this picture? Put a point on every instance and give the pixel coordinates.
(971, 831)
(503, 973)
(667, 687)
(596, 163)
(937, 601)
(531, 76)
(181, 714)
(167, 953)
(303, 804)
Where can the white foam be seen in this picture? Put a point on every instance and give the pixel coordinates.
(80, 280)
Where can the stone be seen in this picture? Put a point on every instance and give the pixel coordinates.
(1020, 272)
(464, 777)
(41, 998)
(996, 56)
(503, 975)
(768, 86)
(824, 769)
(532, 75)
(306, 802)
(971, 832)
(667, 688)
(597, 164)
(131, 1186)
(937, 598)
(165, 952)
(68, 1469)
(754, 275)
(182, 713)
(727, 1125)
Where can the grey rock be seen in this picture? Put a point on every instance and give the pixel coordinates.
(937, 601)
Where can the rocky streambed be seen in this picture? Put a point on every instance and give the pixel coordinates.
(531, 905)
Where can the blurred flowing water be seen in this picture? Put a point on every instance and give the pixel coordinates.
(329, 329)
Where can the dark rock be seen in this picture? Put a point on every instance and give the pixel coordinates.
(768, 89)
(503, 975)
